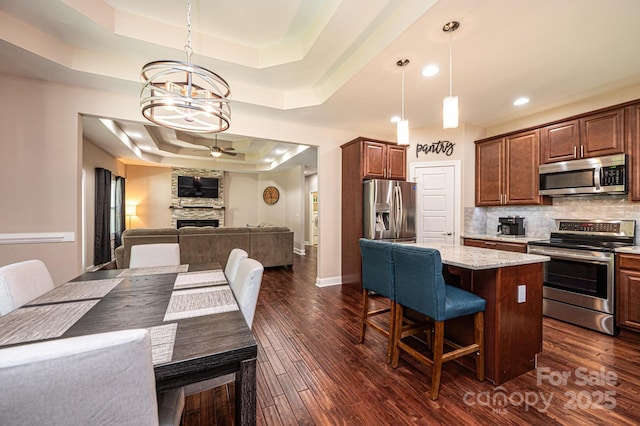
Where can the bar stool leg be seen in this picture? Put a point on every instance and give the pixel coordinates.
(436, 369)
(392, 331)
(365, 313)
(478, 333)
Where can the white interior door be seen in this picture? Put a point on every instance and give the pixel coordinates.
(438, 195)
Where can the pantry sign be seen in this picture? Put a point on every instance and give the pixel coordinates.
(439, 147)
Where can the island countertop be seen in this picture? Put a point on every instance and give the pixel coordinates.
(475, 258)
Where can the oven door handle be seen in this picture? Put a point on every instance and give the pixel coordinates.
(570, 256)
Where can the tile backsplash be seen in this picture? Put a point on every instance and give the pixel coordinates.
(539, 221)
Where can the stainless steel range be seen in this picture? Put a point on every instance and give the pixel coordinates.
(579, 280)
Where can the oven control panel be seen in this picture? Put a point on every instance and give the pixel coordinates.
(590, 226)
(617, 228)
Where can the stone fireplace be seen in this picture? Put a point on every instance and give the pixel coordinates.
(196, 210)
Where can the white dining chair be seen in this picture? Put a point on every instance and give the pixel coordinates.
(151, 255)
(22, 282)
(98, 379)
(246, 290)
(233, 262)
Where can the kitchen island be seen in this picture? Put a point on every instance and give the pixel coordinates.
(511, 283)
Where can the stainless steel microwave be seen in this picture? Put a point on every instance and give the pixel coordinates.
(598, 175)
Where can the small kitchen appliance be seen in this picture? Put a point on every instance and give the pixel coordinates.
(511, 225)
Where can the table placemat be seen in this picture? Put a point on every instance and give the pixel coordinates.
(41, 322)
(200, 301)
(163, 338)
(78, 290)
(135, 272)
(199, 279)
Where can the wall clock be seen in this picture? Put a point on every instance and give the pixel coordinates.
(271, 195)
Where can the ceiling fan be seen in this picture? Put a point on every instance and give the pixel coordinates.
(216, 151)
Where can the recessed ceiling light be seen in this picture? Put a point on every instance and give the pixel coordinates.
(395, 119)
(430, 70)
(280, 151)
(521, 101)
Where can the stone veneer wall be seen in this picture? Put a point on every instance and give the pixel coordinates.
(178, 212)
(539, 221)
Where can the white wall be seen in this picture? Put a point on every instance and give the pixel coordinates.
(149, 188)
(241, 199)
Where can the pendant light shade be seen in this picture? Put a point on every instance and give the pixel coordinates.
(185, 96)
(402, 137)
(450, 103)
(403, 132)
(450, 112)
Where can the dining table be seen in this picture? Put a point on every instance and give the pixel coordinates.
(197, 329)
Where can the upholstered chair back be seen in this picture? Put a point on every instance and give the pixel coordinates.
(233, 262)
(378, 267)
(151, 255)
(99, 379)
(419, 281)
(22, 282)
(247, 287)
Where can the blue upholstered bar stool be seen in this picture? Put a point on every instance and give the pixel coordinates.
(420, 286)
(377, 277)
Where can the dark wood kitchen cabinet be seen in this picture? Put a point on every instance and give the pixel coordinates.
(632, 135)
(363, 158)
(507, 170)
(628, 291)
(592, 135)
(383, 160)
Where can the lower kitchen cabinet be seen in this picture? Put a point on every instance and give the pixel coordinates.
(628, 291)
(495, 245)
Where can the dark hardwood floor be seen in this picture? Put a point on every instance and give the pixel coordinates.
(312, 371)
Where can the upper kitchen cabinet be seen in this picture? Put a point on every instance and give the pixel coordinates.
(592, 135)
(507, 170)
(383, 160)
(632, 133)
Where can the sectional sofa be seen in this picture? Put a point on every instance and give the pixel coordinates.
(270, 245)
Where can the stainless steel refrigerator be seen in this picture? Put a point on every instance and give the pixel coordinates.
(389, 210)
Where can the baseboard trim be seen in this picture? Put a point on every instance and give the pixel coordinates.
(300, 252)
(328, 282)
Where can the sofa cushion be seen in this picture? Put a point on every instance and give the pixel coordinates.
(207, 244)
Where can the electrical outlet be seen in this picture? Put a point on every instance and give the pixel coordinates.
(522, 293)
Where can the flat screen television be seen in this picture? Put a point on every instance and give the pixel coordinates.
(197, 187)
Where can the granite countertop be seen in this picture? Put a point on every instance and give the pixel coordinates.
(630, 250)
(506, 238)
(480, 258)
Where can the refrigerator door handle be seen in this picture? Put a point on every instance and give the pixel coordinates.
(398, 209)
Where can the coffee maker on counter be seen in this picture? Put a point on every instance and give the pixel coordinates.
(511, 225)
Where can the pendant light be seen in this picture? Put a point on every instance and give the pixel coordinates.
(403, 123)
(184, 96)
(450, 103)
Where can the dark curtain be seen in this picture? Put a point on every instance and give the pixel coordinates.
(102, 249)
(119, 211)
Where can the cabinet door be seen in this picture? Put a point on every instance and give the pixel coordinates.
(396, 162)
(489, 172)
(560, 142)
(601, 134)
(632, 133)
(628, 292)
(521, 169)
(374, 160)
